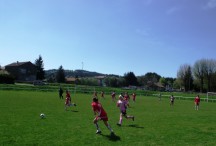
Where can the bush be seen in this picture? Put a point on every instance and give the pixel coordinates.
(7, 79)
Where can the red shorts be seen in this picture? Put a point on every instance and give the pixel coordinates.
(197, 103)
(103, 118)
(67, 103)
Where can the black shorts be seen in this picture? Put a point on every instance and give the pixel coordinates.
(124, 113)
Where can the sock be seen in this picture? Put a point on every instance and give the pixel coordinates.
(96, 124)
(108, 126)
(120, 121)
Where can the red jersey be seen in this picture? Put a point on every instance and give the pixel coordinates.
(127, 97)
(97, 107)
(134, 96)
(68, 99)
(197, 99)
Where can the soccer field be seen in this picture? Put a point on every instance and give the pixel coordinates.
(156, 123)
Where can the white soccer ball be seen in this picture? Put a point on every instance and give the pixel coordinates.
(42, 115)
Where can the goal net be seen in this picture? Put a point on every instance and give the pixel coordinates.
(211, 96)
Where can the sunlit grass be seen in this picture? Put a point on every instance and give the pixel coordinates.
(156, 123)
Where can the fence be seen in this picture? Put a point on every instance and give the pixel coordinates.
(186, 98)
(90, 90)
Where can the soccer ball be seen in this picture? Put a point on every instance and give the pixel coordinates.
(42, 115)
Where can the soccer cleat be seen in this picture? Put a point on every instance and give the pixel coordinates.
(112, 133)
(98, 132)
(118, 124)
(75, 104)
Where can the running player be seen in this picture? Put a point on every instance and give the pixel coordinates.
(100, 114)
(134, 97)
(113, 96)
(68, 100)
(122, 104)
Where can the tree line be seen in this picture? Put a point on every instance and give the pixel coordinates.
(201, 77)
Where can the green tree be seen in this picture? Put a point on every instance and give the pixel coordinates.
(209, 72)
(40, 73)
(185, 75)
(199, 69)
(130, 79)
(60, 75)
(163, 81)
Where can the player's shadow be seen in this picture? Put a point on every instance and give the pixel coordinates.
(112, 137)
(74, 111)
(135, 126)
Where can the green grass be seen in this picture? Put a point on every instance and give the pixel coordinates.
(156, 123)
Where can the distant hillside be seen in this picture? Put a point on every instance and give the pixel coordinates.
(71, 73)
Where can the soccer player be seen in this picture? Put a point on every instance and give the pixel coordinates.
(122, 104)
(100, 114)
(134, 97)
(172, 98)
(159, 96)
(95, 93)
(196, 102)
(127, 98)
(102, 94)
(61, 93)
(68, 100)
(113, 96)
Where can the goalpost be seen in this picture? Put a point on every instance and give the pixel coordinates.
(211, 96)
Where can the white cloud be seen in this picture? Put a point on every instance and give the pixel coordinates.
(211, 4)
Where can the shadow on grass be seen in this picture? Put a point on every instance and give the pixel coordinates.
(135, 126)
(112, 137)
(74, 111)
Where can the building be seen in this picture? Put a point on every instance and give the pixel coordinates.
(22, 71)
(155, 86)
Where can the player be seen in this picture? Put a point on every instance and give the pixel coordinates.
(127, 98)
(196, 102)
(61, 93)
(95, 94)
(100, 114)
(159, 97)
(113, 96)
(122, 104)
(134, 97)
(172, 98)
(68, 100)
(102, 94)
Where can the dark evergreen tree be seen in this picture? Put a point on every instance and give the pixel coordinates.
(40, 75)
(130, 79)
(60, 75)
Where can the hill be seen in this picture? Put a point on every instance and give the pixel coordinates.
(78, 73)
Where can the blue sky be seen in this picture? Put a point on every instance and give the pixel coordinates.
(109, 36)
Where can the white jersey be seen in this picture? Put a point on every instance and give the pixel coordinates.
(122, 105)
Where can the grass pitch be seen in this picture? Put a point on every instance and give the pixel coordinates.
(156, 123)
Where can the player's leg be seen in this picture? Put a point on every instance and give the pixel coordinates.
(120, 120)
(95, 121)
(108, 126)
(130, 117)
